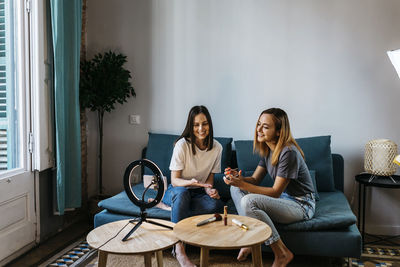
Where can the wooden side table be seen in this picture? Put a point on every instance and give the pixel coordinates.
(148, 238)
(216, 235)
(368, 180)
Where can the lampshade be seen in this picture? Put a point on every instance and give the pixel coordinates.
(395, 59)
(379, 156)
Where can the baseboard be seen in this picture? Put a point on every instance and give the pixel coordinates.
(389, 230)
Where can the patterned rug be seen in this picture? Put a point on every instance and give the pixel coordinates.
(378, 256)
(373, 256)
(79, 254)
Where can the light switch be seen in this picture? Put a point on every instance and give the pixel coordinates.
(134, 119)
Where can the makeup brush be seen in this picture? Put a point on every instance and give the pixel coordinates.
(216, 217)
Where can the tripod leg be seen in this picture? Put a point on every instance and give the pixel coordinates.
(160, 224)
(133, 230)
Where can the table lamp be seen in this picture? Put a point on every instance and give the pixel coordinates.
(394, 56)
(378, 158)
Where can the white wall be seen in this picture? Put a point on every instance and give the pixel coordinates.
(324, 62)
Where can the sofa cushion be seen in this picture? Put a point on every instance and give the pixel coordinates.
(246, 159)
(317, 153)
(312, 174)
(221, 186)
(332, 211)
(160, 148)
(121, 204)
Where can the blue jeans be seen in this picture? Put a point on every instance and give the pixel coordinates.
(286, 209)
(186, 202)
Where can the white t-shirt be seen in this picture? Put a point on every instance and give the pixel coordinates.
(197, 166)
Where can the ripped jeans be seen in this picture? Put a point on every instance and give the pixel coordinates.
(284, 210)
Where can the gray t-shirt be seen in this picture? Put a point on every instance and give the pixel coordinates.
(291, 165)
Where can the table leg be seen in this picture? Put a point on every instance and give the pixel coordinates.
(256, 255)
(147, 259)
(359, 207)
(363, 220)
(159, 256)
(204, 257)
(102, 258)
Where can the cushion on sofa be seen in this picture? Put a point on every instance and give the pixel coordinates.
(121, 204)
(221, 186)
(317, 153)
(312, 174)
(160, 148)
(332, 211)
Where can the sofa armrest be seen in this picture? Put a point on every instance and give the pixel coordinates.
(338, 171)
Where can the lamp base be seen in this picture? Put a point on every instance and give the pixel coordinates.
(374, 176)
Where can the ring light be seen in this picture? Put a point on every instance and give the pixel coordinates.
(157, 181)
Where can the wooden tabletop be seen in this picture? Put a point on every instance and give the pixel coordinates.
(147, 238)
(216, 235)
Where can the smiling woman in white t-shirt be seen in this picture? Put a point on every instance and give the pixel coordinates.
(195, 159)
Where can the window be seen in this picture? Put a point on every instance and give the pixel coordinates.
(9, 104)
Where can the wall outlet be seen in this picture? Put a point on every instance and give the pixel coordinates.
(134, 119)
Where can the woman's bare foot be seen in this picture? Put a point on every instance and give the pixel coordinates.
(243, 253)
(283, 260)
(282, 254)
(160, 205)
(181, 256)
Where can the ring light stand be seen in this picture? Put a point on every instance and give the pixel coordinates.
(158, 182)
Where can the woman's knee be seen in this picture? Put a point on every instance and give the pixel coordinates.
(234, 190)
(246, 202)
(249, 203)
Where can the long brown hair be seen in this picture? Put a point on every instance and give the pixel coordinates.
(188, 133)
(285, 138)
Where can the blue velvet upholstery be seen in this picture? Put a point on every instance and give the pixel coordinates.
(331, 212)
(317, 151)
(312, 174)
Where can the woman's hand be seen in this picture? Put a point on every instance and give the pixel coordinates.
(233, 177)
(194, 182)
(212, 192)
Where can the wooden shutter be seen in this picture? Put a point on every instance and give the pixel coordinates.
(3, 89)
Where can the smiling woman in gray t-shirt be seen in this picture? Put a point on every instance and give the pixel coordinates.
(290, 199)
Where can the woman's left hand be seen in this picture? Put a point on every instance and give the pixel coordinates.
(212, 192)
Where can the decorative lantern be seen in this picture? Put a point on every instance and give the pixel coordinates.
(379, 156)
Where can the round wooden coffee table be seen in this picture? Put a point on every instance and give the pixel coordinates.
(216, 235)
(148, 238)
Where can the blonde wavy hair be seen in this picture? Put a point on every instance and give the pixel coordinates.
(285, 138)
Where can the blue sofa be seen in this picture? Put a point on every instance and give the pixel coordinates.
(332, 232)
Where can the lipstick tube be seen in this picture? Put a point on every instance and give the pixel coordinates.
(225, 215)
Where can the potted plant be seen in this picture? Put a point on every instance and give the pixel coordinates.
(103, 83)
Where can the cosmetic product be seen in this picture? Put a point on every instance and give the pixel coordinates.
(216, 217)
(225, 215)
(240, 224)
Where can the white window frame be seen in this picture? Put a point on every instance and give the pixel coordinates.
(43, 154)
(23, 99)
